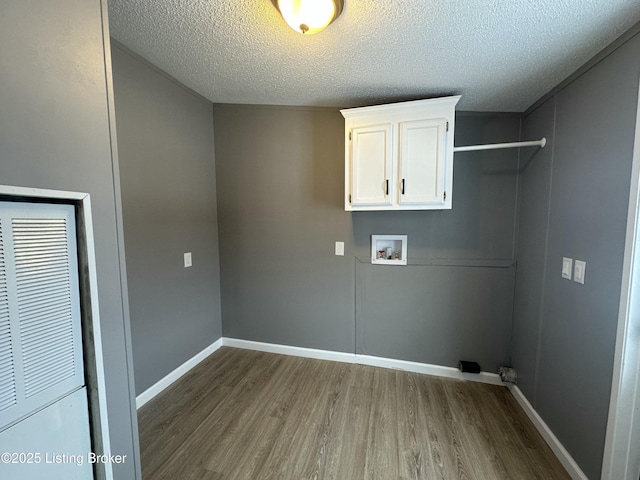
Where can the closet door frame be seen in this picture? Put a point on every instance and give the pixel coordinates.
(89, 306)
(621, 459)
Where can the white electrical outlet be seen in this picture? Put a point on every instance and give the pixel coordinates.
(187, 260)
(579, 271)
(340, 248)
(567, 266)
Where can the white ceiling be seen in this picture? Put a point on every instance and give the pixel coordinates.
(500, 55)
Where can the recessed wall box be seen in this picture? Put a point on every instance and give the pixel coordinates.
(389, 249)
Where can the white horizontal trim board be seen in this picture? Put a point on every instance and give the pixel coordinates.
(563, 455)
(437, 370)
(164, 382)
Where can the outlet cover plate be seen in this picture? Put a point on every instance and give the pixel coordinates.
(567, 266)
(579, 271)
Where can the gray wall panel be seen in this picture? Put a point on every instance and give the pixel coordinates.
(435, 314)
(280, 183)
(592, 153)
(54, 134)
(165, 144)
(534, 203)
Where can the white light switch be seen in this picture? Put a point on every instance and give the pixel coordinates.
(339, 248)
(579, 271)
(567, 265)
(187, 260)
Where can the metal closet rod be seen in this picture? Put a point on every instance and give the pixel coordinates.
(494, 146)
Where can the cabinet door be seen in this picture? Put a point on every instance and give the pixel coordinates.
(422, 162)
(371, 165)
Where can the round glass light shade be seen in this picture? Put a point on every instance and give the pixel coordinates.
(309, 16)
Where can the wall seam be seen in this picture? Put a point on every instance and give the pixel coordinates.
(514, 247)
(543, 280)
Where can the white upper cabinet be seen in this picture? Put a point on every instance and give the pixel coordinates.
(400, 156)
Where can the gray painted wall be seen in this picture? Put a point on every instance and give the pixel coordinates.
(534, 204)
(280, 195)
(165, 144)
(280, 174)
(574, 201)
(55, 134)
(436, 314)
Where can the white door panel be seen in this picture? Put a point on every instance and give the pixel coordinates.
(51, 444)
(43, 399)
(41, 341)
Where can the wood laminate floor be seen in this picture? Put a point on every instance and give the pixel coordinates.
(242, 414)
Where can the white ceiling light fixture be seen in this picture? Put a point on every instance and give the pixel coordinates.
(309, 16)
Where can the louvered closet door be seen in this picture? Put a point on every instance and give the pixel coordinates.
(40, 329)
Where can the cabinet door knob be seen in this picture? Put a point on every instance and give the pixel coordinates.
(387, 187)
(403, 186)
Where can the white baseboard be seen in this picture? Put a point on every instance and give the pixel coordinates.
(436, 370)
(164, 382)
(563, 455)
(289, 350)
(428, 369)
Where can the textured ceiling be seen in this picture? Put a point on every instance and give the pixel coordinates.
(500, 55)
